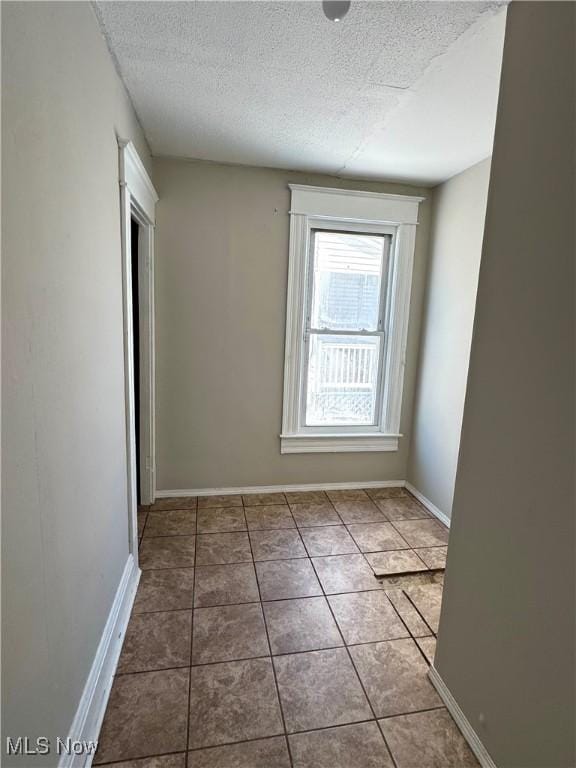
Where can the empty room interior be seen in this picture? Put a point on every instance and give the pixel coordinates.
(288, 384)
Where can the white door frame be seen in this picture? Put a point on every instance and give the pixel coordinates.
(138, 201)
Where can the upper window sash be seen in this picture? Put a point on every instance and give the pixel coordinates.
(383, 284)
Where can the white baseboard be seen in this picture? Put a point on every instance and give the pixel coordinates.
(166, 494)
(428, 504)
(280, 488)
(90, 713)
(461, 720)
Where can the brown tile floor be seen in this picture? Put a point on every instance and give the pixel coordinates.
(261, 637)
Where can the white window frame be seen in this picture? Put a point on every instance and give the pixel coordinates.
(314, 208)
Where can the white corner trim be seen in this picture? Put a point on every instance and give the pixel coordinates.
(442, 516)
(461, 720)
(167, 494)
(349, 443)
(90, 712)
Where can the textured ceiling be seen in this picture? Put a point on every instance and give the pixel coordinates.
(397, 90)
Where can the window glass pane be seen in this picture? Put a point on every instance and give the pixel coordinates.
(347, 280)
(342, 380)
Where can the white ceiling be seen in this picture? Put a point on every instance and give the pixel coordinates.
(396, 90)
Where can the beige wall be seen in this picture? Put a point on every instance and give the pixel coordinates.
(459, 207)
(64, 498)
(506, 640)
(221, 277)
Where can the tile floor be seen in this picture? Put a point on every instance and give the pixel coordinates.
(261, 637)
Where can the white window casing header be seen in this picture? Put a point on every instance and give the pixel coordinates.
(352, 205)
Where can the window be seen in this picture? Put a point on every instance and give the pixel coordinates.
(351, 259)
(344, 334)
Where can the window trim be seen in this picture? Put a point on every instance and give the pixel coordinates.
(348, 210)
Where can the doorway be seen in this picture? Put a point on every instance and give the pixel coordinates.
(134, 237)
(138, 205)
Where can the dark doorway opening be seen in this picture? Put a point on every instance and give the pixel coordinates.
(134, 235)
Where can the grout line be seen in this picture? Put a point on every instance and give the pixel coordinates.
(381, 587)
(146, 757)
(178, 567)
(272, 661)
(425, 563)
(168, 536)
(222, 530)
(333, 727)
(170, 567)
(297, 557)
(377, 588)
(412, 712)
(412, 635)
(275, 736)
(245, 562)
(191, 648)
(241, 741)
(152, 669)
(426, 659)
(151, 510)
(347, 525)
(354, 666)
(413, 604)
(399, 574)
(268, 655)
(369, 720)
(162, 610)
(141, 535)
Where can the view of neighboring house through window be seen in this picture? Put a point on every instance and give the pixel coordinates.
(345, 327)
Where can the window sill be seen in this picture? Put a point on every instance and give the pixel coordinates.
(347, 443)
